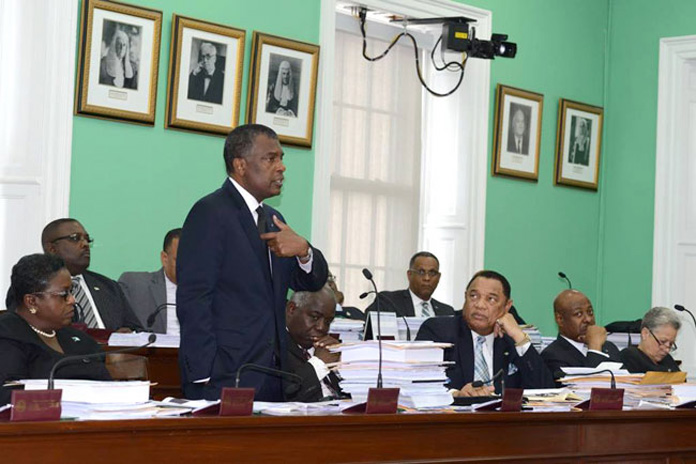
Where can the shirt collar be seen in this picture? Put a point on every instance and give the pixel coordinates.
(581, 347)
(249, 199)
(416, 301)
(167, 282)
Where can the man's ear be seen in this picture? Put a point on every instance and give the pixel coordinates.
(239, 165)
(290, 309)
(50, 248)
(163, 257)
(559, 319)
(508, 305)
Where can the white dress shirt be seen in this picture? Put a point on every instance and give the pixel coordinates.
(582, 348)
(418, 305)
(172, 321)
(321, 370)
(488, 349)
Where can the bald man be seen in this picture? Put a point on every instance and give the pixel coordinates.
(580, 342)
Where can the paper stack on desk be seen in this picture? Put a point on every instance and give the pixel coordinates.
(348, 330)
(141, 338)
(417, 368)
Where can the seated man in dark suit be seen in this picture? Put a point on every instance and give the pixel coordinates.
(580, 342)
(487, 339)
(152, 295)
(308, 317)
(99, 301)
(423, 276)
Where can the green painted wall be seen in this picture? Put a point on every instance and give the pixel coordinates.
(629, 192)
(130, 184)
(535, 229)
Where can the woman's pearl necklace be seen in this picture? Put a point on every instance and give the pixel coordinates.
(41, 332)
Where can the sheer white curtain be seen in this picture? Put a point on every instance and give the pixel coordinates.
(375, 162)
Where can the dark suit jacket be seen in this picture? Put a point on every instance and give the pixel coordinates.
(230, 309)
(635, 361)
(400, 302)
(25, 356)
(512, 146)
(310, 389)
(197, 86)
(561, 353)
(531, 372)
(113, 307)
(146, 291)
(112, 304)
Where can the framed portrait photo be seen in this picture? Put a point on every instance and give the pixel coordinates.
(517, 134)
(118, 61)
(283, 87)
(205, 76)
(578, 144)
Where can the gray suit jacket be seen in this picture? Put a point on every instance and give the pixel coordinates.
(146, 291)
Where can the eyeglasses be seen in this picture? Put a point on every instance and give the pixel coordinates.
(65, 294)
(75, 238)
(422, 273)
(672, 346)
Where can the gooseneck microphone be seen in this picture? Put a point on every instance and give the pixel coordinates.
(562, 275)
(368, 275)
(396, 309)
(481, 383)
(683, 309)
(85, 358)
(294, 378)
(151, 318)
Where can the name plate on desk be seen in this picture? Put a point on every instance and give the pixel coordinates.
(603, 399)
(512, 400)
(379, 401)
(236, 401)
(35, 405)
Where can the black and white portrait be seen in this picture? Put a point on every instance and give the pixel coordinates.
(120, 55)
(283, 82)
(518, 129)
(580, 136)
(207, 71)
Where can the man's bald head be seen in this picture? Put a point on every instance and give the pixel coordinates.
(573, 313)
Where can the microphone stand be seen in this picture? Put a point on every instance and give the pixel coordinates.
(151, 318)
(683, 309)
(368, 275)
(562, 275)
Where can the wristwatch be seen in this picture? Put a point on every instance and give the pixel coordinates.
(306, 258)
(525, 340)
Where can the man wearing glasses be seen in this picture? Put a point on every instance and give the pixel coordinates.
(580, 342)
(99, 301)
(423, 277)
(206, 80)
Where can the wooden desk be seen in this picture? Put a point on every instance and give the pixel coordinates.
(597, 437)
(163, 369)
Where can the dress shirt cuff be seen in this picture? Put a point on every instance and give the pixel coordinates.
(522, 349)
(307, 267)
(319, 367)
(206, 380)
(598, 352)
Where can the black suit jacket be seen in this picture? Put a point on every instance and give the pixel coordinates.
(111, 303)
(635, 361)
(529, 371)
(561, 353)
(25, 356)
(310, 389)
(512, 146)
(196, 89)
(146, 291)
(400, 302)
(231, 310)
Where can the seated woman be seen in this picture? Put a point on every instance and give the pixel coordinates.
(658, 334)
(37, 334)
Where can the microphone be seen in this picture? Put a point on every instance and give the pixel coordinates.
(85, 358)
(290, 390)
(562, 275)
(480, 383)
(153, 315)
(396, 310)
(682, 308)
(368, 275)
(613, 379)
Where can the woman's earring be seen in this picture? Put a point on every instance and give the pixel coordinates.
(32, 310)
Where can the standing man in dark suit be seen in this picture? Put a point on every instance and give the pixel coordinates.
(486, 340)
(423, 277)
(237, 259)
(152, 295)
(580, 342)
(100, 302)
(308, 316)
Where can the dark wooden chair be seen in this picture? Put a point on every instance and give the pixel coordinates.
(124, 366)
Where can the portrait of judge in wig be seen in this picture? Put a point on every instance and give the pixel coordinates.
(282, 86)
(120, 55)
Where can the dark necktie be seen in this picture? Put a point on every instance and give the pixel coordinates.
(261, 225)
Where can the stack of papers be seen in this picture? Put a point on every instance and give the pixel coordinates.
(416, 368)
(414, 324)
(348, 330)
(534, 336)
(141, 338)
(620, 339)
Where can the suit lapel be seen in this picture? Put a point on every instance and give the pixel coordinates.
(578, 358)
(407, 304)
(158, 291)
(465, 352)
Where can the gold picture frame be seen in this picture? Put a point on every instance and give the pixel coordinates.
(283, 87)
(206, 61)
(118, 62)
(578, 144)
(517, 134)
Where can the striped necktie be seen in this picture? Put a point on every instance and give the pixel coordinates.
(425, 311)
(480, 364)
(84, 307)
